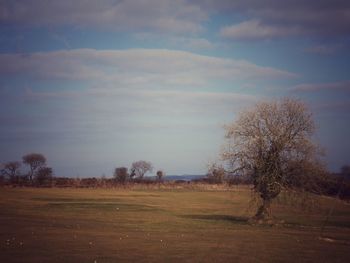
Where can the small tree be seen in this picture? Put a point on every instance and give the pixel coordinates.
(35, 161)
(121, 174)
(160, 175)
(216, 173)
(44, 175)
(11, 169)
(272, 144)
(140, 168)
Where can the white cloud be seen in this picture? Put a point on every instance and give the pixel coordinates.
(255, 30)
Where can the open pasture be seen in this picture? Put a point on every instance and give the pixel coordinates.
(121, 225)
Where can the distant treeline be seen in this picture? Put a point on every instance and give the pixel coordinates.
(332, 185)
(40, 175)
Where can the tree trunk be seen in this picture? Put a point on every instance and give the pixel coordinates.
(31, 175)
(263, 212)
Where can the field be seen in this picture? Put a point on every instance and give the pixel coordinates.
(121, 225)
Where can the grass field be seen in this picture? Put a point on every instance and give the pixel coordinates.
(111, 225)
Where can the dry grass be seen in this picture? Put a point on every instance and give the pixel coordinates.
(163, 225)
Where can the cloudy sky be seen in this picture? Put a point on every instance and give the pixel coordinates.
(98, 84)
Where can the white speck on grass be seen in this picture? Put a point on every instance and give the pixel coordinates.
(327, 239)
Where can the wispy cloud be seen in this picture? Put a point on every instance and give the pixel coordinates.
(333, 108)
(135, 67)
(324, 49)
(276, 19)
(115, 93)
(192, 43)
(255, 30)
(154, 102)
(340, 86)
(123, 89)
(176, 16)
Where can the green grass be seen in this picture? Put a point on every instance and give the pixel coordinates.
(110, 225)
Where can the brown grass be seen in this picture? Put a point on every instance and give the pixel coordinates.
(164, 225)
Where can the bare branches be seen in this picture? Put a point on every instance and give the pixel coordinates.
(35, 161)
(141, 167)
(11, 169)
(268, 142)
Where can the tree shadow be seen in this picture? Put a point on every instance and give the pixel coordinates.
(228, 218)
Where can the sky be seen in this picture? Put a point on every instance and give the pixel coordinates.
(95, 85)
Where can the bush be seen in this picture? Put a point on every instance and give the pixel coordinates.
(121, 174)
(44, 176)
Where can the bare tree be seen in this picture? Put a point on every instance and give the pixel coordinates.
(272, 144)
(160, 175)
(121, 174)
(11, 169)
(140, 168)
(35, 161)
